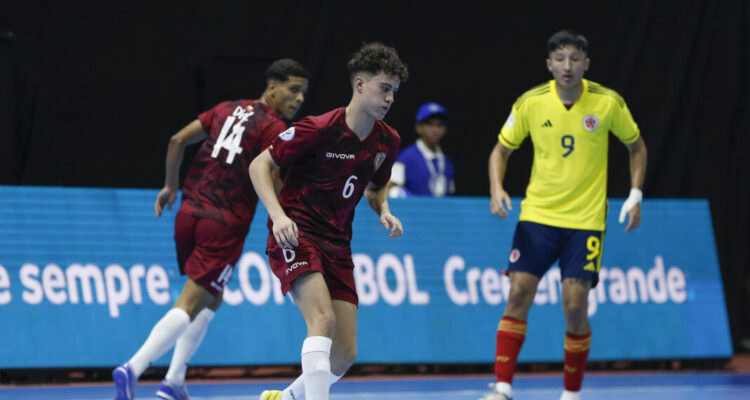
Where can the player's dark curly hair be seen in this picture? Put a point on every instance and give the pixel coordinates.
(282, 69)
(375, 58)
(567, 37)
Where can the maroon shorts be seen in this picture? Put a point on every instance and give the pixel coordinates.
(315, 254)
(207, 250)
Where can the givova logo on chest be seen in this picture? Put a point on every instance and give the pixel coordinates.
(340, 156)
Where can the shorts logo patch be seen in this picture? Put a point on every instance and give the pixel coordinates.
(590, 122)
(515, 254)
(295, 266)
(287, 135)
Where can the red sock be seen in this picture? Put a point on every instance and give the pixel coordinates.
(576, 354)
(510, 335)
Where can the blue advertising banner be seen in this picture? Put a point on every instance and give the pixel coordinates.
(86, 273)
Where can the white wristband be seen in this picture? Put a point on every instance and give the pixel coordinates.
(635, 197)
(636, 194)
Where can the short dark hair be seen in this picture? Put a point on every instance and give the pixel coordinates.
(375, 58)
(282, 69)
(567, 37)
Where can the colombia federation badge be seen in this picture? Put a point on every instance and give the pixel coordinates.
(590, 122)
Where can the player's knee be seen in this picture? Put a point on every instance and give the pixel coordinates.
(521, 297)
(575, 308)
(323, 322)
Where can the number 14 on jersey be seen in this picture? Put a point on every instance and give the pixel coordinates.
(232, 141)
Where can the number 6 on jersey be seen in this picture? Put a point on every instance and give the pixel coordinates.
(349, 187)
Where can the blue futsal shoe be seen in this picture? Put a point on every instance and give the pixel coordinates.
(170, 391)
(124, 382)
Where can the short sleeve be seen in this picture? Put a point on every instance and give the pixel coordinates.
(271, 132)
(289, 145)
(207, 117)
(515, 129)
(623, 126)
(383, 173)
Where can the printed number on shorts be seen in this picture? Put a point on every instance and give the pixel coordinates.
(223, 278)
(349, 187)
(289, 254)
(568, 143)
(594, 246)
(232, 141)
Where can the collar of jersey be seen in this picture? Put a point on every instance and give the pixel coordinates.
(553, 91)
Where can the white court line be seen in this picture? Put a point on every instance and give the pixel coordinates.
(464, 393)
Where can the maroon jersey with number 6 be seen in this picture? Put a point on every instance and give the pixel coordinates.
(217, 185)
(327, 170)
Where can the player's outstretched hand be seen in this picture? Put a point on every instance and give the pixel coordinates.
(632, 208)
(285, 232)
(498, 203)
(392, 223)
(166, 196)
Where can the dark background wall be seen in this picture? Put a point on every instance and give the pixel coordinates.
(91, 91)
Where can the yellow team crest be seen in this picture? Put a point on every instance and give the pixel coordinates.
(379, 158)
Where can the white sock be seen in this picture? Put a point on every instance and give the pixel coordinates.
(163, 336)
(186, 346)
(504, 388)
(296, 391)
(568, 395)
(316, 367)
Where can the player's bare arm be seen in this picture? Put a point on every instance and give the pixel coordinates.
(632, 206)
(377, 198)
(498, 164)
(284, 229)
(191, 133)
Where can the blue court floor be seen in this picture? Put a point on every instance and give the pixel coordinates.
(626, 386)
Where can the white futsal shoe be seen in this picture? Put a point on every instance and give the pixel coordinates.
(499, 392)
(570, 395)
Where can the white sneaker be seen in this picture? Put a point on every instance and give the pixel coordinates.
(496, 394)
(570, 395)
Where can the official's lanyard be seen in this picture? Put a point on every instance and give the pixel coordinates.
(438, 183)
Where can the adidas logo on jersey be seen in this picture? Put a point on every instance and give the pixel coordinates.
(547, 124)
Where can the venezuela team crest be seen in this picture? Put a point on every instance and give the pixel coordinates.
(379, 158)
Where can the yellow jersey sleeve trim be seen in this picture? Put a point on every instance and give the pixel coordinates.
(507, 143)
(605, 91)
(537, 90)
(633, 138)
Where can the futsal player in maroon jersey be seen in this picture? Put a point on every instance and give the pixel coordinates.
(330, 162)
(218, 203)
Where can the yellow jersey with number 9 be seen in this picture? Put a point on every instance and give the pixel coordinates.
(568, 184)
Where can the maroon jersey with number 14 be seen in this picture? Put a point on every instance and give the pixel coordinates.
(327, 170)
(217, 185)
